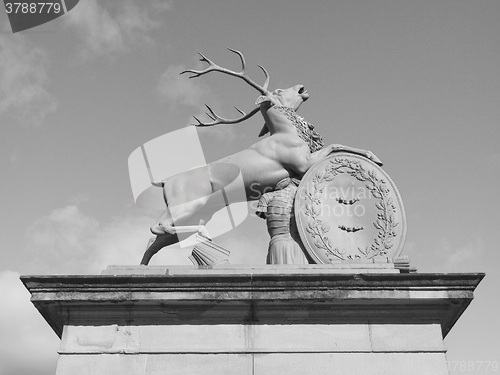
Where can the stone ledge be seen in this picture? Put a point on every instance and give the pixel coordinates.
(248, 297)
(283, 269)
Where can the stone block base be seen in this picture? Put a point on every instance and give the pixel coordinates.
(253, 349)
(254, 321)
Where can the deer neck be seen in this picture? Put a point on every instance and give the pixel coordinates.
(304, 129)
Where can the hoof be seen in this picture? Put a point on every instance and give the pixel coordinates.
(370, 155)
(159, 229)
(158, 184)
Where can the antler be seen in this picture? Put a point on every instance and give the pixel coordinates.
(212, 67)
(221, 120)
(242, 74)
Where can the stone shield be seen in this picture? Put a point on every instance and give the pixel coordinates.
(348, 209)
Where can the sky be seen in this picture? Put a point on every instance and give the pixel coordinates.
(416, 82)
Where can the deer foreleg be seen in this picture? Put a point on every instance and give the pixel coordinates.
(367, 154)
(201, 229)
(178, 214)
(184, 194)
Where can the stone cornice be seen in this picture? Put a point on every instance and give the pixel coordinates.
(250, 296)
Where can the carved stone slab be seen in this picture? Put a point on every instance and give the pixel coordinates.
(348, 209)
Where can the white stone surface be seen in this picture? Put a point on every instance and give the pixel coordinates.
(406, 338)
(200, 364)
(216, 339)
(351, 364)
(155, 364)
(101, 364)
(235, 338)
(255, 364)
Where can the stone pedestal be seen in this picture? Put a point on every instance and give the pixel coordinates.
(252, 320)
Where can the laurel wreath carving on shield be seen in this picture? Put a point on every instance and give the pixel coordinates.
(385, 223)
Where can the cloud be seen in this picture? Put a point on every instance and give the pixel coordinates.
(28, 344)
(23, 78)
(113, 28)
(61, 239)
(464, 257)
(178, 89)
(68, 241)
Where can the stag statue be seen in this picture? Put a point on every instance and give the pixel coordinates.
(291, 148)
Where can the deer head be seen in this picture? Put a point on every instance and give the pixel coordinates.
(292, 97)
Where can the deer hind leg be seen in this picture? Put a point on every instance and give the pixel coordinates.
(157, 243)
(184, 194)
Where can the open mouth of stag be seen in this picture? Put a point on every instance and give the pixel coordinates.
(303, 92)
